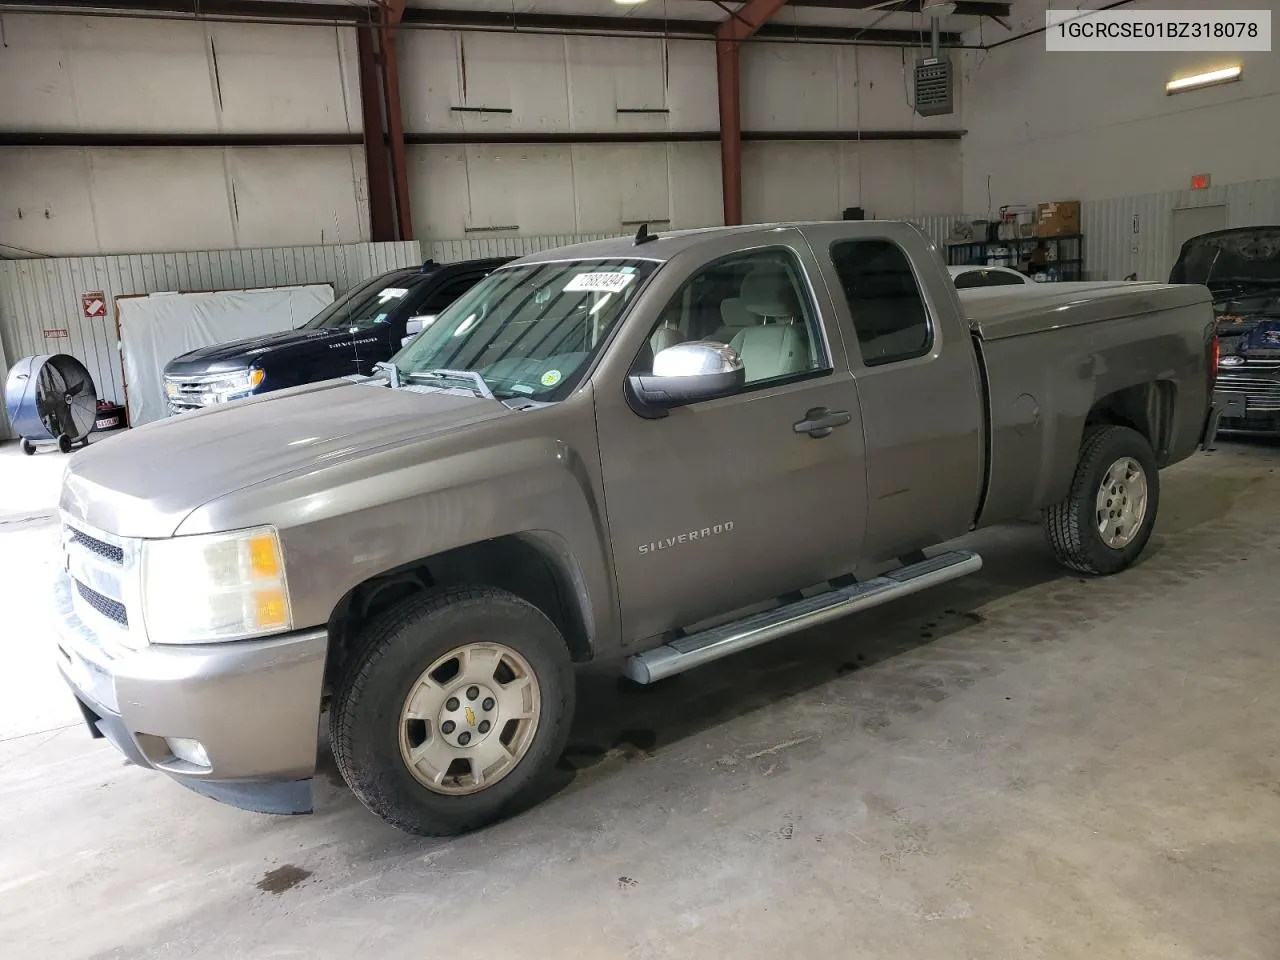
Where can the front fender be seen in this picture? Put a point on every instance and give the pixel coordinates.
(536, 474)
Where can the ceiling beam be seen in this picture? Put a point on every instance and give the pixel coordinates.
(284, 11)
(964, 8)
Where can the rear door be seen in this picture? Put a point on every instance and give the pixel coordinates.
(917, 378)
(732, 501)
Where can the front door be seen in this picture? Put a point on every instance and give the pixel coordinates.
(729, 502)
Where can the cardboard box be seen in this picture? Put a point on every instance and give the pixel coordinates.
(1058, 219)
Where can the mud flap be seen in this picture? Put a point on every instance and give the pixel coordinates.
(1211, 421)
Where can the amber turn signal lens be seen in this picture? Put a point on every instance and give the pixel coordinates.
(264, 559)
(272, 610)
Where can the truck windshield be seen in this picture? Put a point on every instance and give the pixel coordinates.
(528, 330)
(369, 303)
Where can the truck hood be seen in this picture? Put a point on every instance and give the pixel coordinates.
(238, 354)
(1224, 257)
(144, 482)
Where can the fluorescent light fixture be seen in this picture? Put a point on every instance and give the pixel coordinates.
(1196, 81)
(628, 3)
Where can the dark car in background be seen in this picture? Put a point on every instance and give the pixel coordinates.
(1241, 267)
(363, 327)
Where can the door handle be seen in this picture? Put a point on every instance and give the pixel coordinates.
(818, 422)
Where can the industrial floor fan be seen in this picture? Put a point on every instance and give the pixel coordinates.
(51, 399)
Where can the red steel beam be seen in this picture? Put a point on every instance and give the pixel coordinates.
(741, 25)
(377, 167)
(392, 12)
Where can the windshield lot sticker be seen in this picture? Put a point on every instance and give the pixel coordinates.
(602, 282)
(391, 293)
(551, 378)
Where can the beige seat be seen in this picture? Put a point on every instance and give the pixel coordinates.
(778, 343)
(734, 317)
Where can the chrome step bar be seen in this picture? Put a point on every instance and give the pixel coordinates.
(699, 648)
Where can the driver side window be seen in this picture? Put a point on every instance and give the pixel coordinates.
(758, 304)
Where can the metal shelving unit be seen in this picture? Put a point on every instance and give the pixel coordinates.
(1067, 254)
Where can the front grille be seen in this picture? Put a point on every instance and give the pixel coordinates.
(108, 551)
(1262, 391)
(111, 609)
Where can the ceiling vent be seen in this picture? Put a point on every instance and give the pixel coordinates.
(934, 87)
(934, 80)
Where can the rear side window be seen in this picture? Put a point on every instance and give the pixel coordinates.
(888, 312)
(986, 278)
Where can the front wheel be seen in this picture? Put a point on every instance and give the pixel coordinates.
(1106, 519)
(28, 447)
(454, 711)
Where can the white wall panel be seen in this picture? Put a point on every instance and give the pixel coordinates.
(105, 74)
(159, 199)
(72, 201)
(286, 194)
(283, 79)
(86, 73)
(890, 179)
(559, 190)
(1090, 126)
(38, 295)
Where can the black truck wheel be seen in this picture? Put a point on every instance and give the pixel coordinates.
(454, 711)
(1105, 521)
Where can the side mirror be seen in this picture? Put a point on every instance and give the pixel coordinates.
(414, 326)
(686, 373)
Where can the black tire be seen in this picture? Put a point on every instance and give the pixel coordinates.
(64, 443)
(1072, 525)
(394, 651)
(28, 447)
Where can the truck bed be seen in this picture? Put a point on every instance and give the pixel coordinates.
(1146, 358)
(997, 313)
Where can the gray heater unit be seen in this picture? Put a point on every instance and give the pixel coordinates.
(935, 82)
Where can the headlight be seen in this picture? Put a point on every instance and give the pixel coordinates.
(232, 387)
(219, 586)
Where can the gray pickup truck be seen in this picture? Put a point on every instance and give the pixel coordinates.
(623, 450)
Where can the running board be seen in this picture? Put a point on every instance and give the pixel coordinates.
(699, 648)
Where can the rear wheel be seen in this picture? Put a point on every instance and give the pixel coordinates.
(28, 447)
(1105, 521)
(64, 443)
(455, 710)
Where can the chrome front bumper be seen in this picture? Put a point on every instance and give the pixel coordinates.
(254, 706)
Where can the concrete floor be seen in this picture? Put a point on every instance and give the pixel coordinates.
(1018, 765)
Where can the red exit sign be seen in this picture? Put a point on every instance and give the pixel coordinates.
(1199, 181)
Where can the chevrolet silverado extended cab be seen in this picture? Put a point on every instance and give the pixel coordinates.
(592, 455)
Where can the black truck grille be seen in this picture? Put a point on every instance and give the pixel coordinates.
(1259, 390)
(111, 609)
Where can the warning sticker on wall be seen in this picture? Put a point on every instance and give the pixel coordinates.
(93, 304)
(601, 282)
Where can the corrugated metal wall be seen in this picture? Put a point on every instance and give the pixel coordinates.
(1116, 246)
(42, 295)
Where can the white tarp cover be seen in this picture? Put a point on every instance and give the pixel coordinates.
(159, 327)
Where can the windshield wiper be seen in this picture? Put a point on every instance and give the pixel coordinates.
(476, 381)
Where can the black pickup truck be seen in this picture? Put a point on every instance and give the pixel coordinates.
(361, 328)
(1241, 267)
